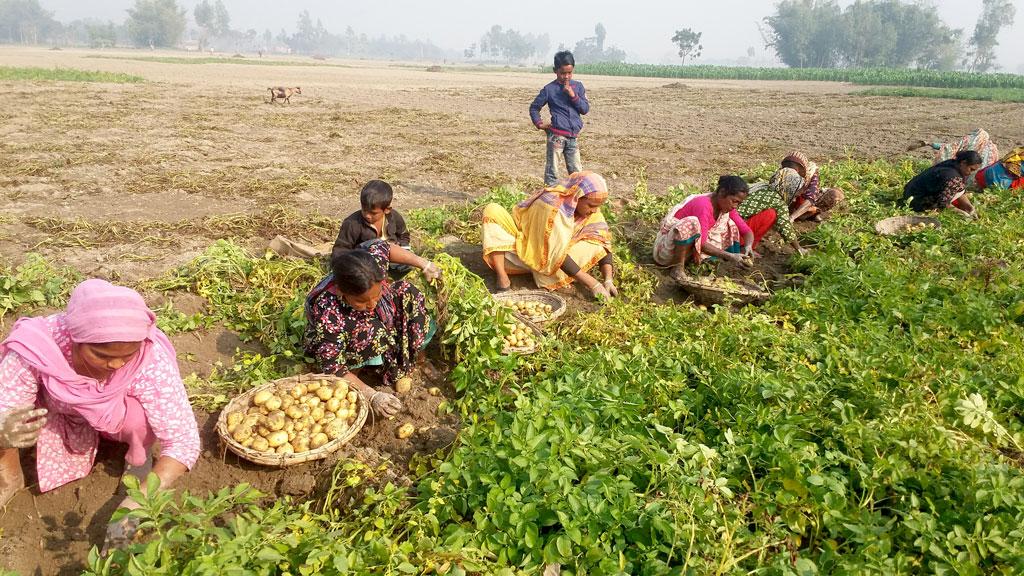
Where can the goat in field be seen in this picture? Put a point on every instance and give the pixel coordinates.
(282, 93)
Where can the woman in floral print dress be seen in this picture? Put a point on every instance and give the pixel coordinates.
(356, 318)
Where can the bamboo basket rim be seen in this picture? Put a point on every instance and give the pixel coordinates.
(745, 293)
(895, 225)
(558, 304)
(281, 460)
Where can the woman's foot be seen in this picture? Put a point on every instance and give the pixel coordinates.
(679, 274)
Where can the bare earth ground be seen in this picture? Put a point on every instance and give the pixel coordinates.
(200, 141)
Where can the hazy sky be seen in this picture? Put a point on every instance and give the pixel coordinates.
(641, 27)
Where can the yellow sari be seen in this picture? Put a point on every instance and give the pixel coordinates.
(543, 229)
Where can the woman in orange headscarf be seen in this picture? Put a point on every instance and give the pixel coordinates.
(557, 234)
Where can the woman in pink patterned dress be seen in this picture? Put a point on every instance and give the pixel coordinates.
(705, 226)
(101, 367)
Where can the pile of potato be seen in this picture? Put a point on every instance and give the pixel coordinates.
(520, 335)
(294, 417)
(534, 311)
(919, 227)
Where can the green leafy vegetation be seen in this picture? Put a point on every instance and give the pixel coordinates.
(988, 94)
(868, 76)
(868, 422)
(65, 75)
(33, 284)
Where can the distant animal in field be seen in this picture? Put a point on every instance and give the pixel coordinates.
(282, 93)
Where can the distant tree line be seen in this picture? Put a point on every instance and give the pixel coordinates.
(166, 24)
(511, 46)
(882, 33)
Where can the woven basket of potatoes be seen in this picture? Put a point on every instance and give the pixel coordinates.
(537, 306)
(522, 337)
(292, 420)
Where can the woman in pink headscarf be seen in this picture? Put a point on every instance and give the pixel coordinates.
(101, 367)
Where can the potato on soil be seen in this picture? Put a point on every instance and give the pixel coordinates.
(405, 430)
(434, 391)
(403, 385)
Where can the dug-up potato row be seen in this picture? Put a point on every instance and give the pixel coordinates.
(293, 418)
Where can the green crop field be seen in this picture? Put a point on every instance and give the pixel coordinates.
(64, 75)
(867, 76)
(868, 421)
(987, 94)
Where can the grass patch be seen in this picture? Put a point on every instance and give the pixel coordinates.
(987, 94)
(66, 75)
(216, 60)
(866, 76)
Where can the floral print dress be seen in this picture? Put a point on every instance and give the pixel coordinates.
(340, 338)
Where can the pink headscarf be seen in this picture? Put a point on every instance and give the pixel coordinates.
(97, 312)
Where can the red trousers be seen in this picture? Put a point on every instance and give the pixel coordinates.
(761, 223)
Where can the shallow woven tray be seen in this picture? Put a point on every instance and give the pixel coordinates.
(537, 333)
(242, 401)
(743, 293)
(558, 305)
(900, 224)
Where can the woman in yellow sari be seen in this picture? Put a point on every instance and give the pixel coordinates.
(557, 234)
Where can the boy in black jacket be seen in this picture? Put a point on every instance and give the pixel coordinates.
(376, 219)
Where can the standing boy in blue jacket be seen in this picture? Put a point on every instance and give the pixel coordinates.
(566, 100)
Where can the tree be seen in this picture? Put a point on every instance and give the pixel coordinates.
(221, 18)
(155, 23)
(688, 42)
(883, 33)
(803, 33)
(510, 45)
(592, 48)
(995, 14)
(25, 22)
(102, 35)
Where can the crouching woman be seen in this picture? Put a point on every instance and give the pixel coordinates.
(100, 368)
(705, 225)
(357, 319)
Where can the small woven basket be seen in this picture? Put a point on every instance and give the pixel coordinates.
(557, 303)
(901, 224)
(242, 402)
(741, 293)
(523, 350)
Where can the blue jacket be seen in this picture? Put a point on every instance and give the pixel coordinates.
(565, 111)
